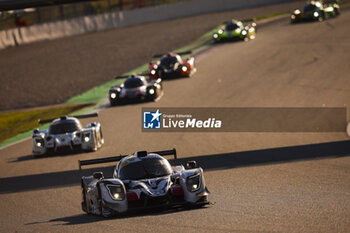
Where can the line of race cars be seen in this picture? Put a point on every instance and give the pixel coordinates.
(316, 11)
(138, 88)
(147, 180)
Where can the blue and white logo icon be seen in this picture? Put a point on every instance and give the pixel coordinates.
(151, 120)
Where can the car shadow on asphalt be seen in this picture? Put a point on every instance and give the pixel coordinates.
(87, 218)
(207, 162)
(35, 157)
(270, 156)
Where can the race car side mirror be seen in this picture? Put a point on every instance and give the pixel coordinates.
(36, 131)
(98, 175)
(191, 164)
(92, 124)
(175, 179)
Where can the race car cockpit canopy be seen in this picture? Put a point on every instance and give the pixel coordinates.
(65, 125)
(133, 82)
(169, 61)
(231, 26)
(145, 167)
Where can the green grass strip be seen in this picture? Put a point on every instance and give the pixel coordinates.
(16, 125)
(98, 94)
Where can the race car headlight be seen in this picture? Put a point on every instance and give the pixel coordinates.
(220, 31)
(151, 91)
(184, 68)
(292, 16)
(297, 12)
(244, 32)
(39, 142)
(113, 95)
(116, 191)
(86, 137)
(215, 36)
(153, 72)
(316, 14)
(193, 182)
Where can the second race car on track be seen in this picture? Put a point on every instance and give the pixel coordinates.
(136, 88)
(171, 65)
(235, 30)
(67, 134)
(140, 181)
(315, 11)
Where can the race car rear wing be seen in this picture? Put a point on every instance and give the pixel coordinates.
(248, 20)
(129, 75)
(95, 114)
(118, 158)
(242, 20)
(179, 53)
(330, 1)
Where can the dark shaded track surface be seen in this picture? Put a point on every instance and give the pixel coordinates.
(51, 72)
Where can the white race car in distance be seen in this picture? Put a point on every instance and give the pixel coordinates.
(66, 134)
(142, 180)
(135, 88)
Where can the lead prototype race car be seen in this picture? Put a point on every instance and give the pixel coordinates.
(136, 88)
(316, 11)
(236, 30)
(66, 134)
(140, 181)
(171, 65)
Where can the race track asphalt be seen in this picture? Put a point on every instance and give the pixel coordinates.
(259, 182)
(44, 73)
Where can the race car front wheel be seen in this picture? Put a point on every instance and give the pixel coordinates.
(105, 211)
(322, 17)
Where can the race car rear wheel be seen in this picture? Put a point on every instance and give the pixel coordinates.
(83, 203)
(322, 17)
(100, 138)
(336, 11)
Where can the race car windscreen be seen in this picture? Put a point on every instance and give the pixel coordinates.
(309, 7)
(168, 62)
(133, 83)
(231, 27)
(64, 127)
(145, 169)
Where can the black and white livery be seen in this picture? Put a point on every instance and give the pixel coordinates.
(67, 134)
(136, 88)
(142, 180)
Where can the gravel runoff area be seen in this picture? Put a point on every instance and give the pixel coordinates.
(50, 72)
